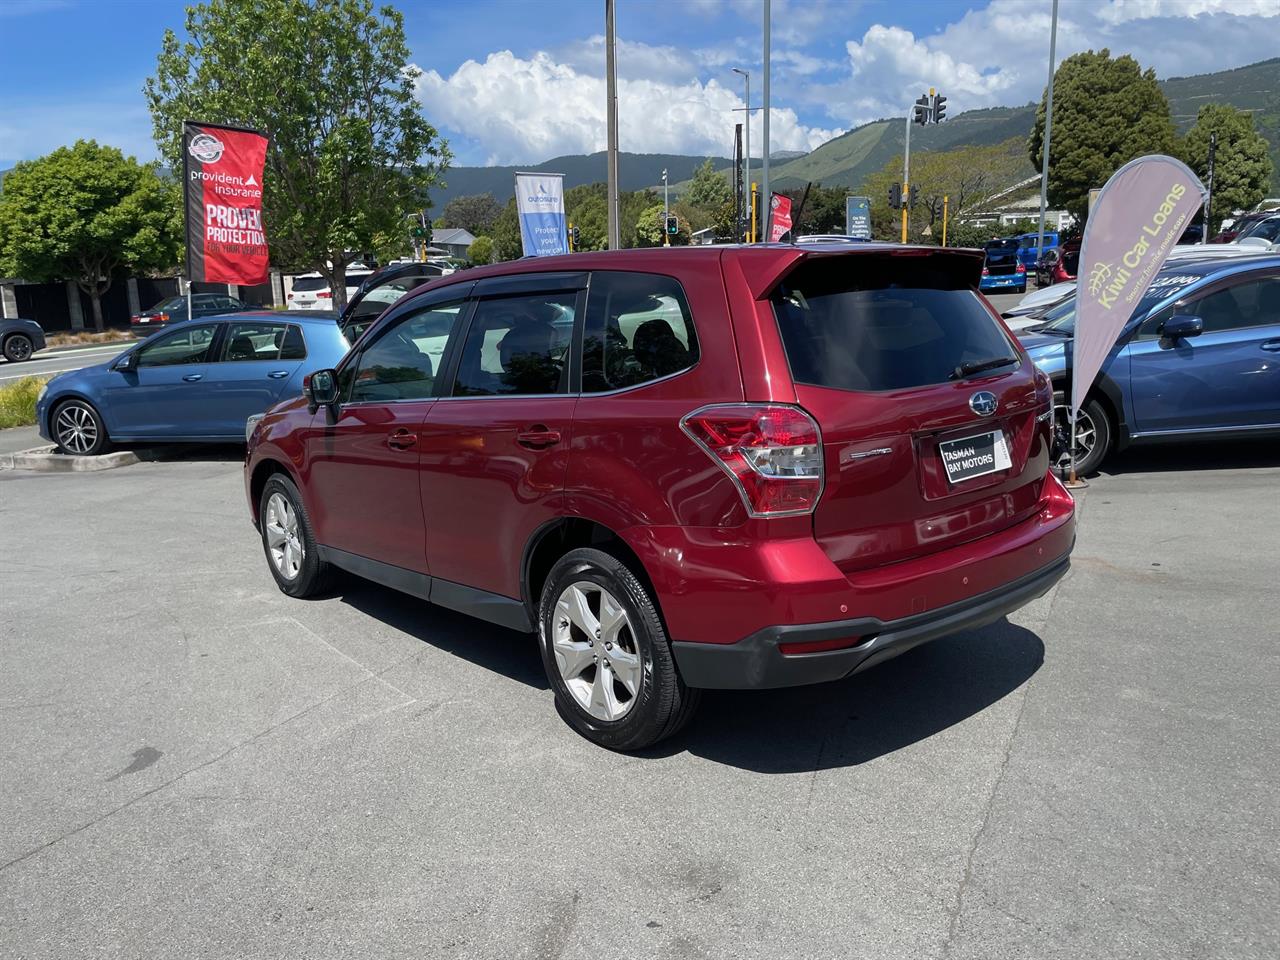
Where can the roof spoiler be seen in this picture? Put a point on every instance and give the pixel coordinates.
(765, 267)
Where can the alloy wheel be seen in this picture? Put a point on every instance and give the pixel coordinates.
(595, 648)
(284, 544)
(76, 428)
(18, 348)
(1086, 434)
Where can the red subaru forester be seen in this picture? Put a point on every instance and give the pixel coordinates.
(680, 468)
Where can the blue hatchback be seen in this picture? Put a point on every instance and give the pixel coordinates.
(198, 380)
(1198, 358)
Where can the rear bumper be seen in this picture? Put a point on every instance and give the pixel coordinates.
(756, 662)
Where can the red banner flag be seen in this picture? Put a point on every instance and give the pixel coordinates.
(222, 183)
(780, 219)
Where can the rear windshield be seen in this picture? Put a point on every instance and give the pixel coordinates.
(308, 284)
(883, 323)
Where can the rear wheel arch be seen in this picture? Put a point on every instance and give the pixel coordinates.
(557, 537)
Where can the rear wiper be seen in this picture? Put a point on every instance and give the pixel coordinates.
(977, 366)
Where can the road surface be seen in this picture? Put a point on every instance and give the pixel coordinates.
(48, 362)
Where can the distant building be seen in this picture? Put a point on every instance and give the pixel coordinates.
(454, 240)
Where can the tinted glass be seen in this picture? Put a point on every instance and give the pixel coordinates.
(402, 363)
(1268, 230)
(638, 329)
(254, 341)
(1254, 303)
(517, 345)
(173, 303)
(189, 345)
(294, 346)
(309, 284)
(888, 331)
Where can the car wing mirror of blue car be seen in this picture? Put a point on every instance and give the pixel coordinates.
(321, 390)
(128, 363)
(1182, 325)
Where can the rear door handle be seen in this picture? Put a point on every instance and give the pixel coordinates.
(402, 439)
(193, 377)
(278, 374)
(1273, 346)
(538, 437)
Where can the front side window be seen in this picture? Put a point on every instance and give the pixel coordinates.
(189, 345)
(403, 362)
(1253, 303)
(518, 346)
(638, 329)
(262, 340)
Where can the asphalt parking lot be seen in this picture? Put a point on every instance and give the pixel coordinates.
(195, 765)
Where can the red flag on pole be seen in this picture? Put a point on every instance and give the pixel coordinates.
(222, 184)
(780, 217)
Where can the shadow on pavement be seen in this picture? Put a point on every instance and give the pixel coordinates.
(852, 721)
(189, 452)
(489, 647)
(1220, 455)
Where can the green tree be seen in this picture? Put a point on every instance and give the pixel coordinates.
(1241, 169)
(507, 244)
(650, 230)
(709, 189)
(476, 212)
(330, 82)
(1105, 112)
(481, 250)
(83, 213)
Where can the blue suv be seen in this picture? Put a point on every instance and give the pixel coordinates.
(198, 380)
(1198, 358)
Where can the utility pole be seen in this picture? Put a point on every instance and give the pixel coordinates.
(666, 211)
(945, 199)
(611, 68)
(1208, 200)
(906, 173)
(764, 178)
(746, 157)
(1048, 130)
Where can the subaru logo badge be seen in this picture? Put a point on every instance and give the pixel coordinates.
(983, 403)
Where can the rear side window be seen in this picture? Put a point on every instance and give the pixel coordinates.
(262, 340)
(882, 323)
(638, 329)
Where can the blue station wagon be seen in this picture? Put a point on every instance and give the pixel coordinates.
(198, 380)
(1199, 358)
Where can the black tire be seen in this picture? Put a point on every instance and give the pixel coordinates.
(78, 430)
(17, 347)
(1093, 425)
(662, 704)
(313, 576)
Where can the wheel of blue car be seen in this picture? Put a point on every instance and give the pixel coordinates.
(78, 429)
(1093, 434)
(17, 347)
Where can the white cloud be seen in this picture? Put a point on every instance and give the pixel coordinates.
(1121, 11)
(523, 110)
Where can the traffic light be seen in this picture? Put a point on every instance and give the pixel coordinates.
(913, 194)
(573, 237)
(895, 197)
(939, 107)
(418, 231)
(673, 226)
(922, 112)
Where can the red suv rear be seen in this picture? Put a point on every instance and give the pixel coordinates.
(682, 468)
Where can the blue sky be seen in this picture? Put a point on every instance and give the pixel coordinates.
(519, 81)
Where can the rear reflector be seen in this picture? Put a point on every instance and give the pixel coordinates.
(819, 646)
(771, 451)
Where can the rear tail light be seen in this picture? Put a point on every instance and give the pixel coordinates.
(1022, 268)
(291, 296)
(324, 295)
(986, 272)
(162, 317)
(135, 318)
(772, 452)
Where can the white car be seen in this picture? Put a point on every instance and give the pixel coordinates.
(311, 290)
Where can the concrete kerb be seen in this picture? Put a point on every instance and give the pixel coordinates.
(45, 460)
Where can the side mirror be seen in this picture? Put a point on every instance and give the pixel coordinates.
(321, 389)
(128, 363)
(1180, 326)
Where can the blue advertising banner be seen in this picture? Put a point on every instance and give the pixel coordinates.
(857, 217)
(540, 204)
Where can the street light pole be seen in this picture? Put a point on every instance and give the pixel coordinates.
(1208, 200)
(746, 151)
(666, 210)
(1048, 131)
(611, 163)
(764, 177)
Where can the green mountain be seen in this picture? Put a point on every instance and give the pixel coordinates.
(636, 171)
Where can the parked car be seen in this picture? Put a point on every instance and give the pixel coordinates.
(1264, 234)
(1231, 229)
(381, 289)
(1038, 302)
(197, 381)
(174, 310)
(1029, 250)
(310, 291)
(699, 467)
(1199, 358)
(1003, 270)
(19, 339)
(1060, 265)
